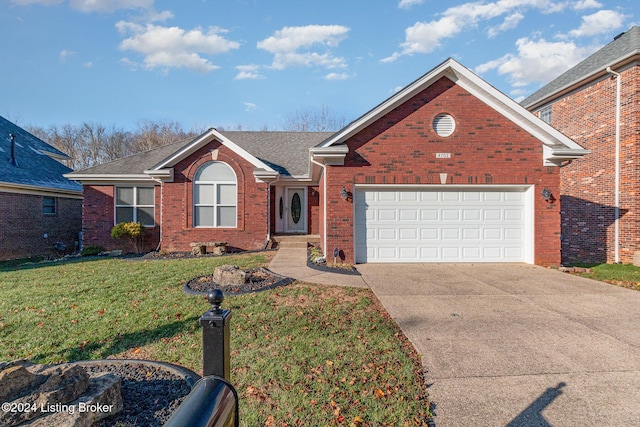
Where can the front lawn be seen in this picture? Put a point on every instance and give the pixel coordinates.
(301, 355)
(625, 275)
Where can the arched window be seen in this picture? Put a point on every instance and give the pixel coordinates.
(215, 192)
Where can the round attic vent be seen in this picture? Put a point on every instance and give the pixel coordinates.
(444, 125)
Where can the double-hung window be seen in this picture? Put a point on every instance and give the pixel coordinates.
(215, 196)
(49, 205)
(135, 204)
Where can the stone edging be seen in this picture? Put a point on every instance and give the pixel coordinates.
(189, 376)
(283, 280)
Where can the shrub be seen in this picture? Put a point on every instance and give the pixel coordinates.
(91, 250)
(134, 231)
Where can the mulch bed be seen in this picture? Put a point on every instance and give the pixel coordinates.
(329, 267)
(258, 279)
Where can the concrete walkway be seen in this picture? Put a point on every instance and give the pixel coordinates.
(291, 261)
(509, 345)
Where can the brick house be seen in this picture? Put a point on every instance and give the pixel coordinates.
(597, 104)
(446, 170)
(39, 207)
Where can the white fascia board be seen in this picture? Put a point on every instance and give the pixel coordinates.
(327, 156)
(164, 175)
(38, 191)
(331, 155)
(266, 176)
(106, 179)
(204, 139)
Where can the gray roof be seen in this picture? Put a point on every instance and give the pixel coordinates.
(285, 152)
(36, 164)
(136, 164)
(622, 47)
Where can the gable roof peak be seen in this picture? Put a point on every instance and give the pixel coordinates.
(558, 146)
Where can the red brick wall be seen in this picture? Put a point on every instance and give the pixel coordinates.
(23, 225)
(588, 197)
(177, 214)
(485, 148)
(98, 220)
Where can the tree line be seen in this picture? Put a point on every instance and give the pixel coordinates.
(91, 144)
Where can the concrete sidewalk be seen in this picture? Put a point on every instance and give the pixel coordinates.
(291, 261)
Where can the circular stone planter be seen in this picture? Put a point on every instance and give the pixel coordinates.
(151, 391)
(258, 279)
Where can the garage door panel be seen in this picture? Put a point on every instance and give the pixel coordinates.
(387, 234)
(387, 215)
(409, 234)
(429, 215)
(439, 225)
(471, 214)
(450, 214)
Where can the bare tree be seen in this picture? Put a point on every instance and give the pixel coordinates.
(321, 120)
(152, 134)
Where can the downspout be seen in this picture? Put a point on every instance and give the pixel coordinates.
(266, 244)
(617, 176)
(324, 203)
(161, 205)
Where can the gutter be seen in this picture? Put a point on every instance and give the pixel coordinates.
(617, 178)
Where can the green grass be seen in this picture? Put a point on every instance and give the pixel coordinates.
(301, 355)
(625, 275)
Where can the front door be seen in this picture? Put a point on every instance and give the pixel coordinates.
(296, 210)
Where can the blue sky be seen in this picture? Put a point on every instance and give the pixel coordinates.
(254, 63)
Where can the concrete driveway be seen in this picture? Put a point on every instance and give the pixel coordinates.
(517, 345)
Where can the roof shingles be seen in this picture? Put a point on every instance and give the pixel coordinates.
(622, 47)
(36, 167)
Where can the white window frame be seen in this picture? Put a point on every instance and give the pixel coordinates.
(135, 204)
(216, 204)
(546, 114)
(48, 205)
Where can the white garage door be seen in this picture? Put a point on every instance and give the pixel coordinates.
(441, 225)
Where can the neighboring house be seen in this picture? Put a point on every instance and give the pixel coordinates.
(39, 207)
(446, 170)
(597, 104)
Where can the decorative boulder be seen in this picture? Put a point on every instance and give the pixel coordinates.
(229, 275)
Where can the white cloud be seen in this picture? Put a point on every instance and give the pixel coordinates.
(406, 4)
(337, 76)
(600, 22)
(65, 54)
(109, 5)
(292, 46)
(174, 47)
(250, 106)
(88, 64)
(248, 72)
(586, 4)
(509, 23)
(425, 37)
(537, 61)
